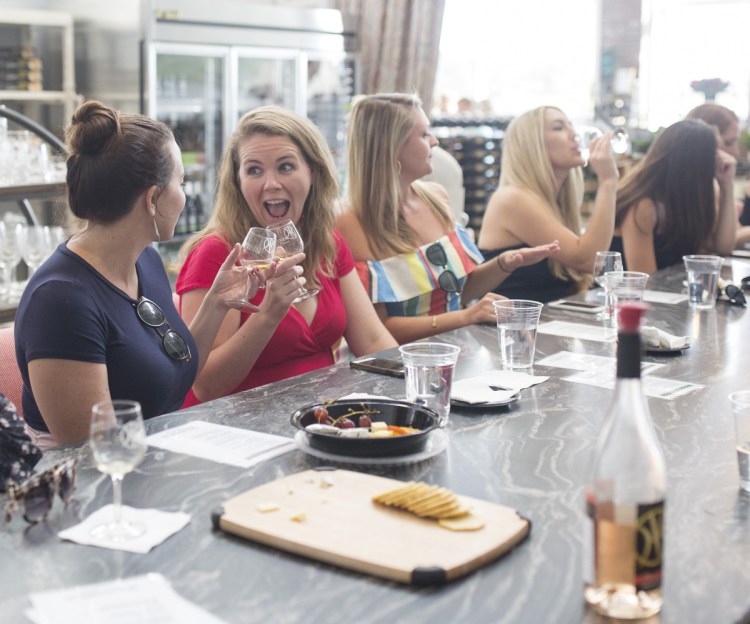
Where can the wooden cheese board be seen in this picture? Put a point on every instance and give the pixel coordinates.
(329, 516)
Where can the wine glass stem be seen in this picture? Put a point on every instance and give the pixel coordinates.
(117, 497)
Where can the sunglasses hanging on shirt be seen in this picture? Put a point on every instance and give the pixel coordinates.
(447, 280)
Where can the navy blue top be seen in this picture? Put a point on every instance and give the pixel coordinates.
(69, 311)
(534, 282)
(664, 256)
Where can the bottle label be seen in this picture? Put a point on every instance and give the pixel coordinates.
(649, 546)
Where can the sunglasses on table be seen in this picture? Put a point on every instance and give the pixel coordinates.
(34, 498)
(173, 342)
(447, 280)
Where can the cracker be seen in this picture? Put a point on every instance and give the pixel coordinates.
(468, 522)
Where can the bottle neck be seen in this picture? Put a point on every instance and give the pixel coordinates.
(628, 356)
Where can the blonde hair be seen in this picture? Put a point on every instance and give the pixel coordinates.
(526, 164)
(378, 128)
(232, 218)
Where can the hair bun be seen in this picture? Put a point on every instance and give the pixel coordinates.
(93, 126)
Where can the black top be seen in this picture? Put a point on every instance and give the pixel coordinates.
(534, 282)
(664, 256)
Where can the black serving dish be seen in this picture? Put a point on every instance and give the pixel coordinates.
(399, 413)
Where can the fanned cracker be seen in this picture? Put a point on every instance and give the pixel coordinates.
(468, 522)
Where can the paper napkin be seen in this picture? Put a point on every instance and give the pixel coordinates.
(484, 388)
(363, 396)
(655, 337)
(159, 526)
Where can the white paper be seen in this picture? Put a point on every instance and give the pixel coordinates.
(659, 296)
(482, 388)
(656, 387)
(219, 443)
(146, 599)
(577, 330)
(159, 526)
(363, 396)
(584, 361)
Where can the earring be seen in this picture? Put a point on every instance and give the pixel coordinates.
(156, 227)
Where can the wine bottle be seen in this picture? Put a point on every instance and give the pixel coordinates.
(625, 494)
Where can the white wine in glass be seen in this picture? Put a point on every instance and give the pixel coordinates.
(117, 439)
(289, 242)
(257, 253)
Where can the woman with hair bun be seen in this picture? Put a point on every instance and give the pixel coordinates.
(96, 321)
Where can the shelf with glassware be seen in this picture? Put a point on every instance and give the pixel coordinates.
(37, 59)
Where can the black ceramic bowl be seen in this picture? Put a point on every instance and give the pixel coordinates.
(400, 413)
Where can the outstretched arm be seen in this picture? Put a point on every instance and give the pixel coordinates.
(488, 275)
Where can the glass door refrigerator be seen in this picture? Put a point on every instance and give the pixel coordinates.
(207, 64)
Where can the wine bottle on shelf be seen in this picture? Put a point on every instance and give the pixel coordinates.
(625, 494)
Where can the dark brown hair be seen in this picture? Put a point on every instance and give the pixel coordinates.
(114, 157)
(678, 173)
(714, 115)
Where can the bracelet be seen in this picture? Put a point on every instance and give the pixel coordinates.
(500, 265)
(434, 322)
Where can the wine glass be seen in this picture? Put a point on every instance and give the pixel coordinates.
(258, 250)
(117, 439)
(605, 262)
(585, 134)
(34, 243)
(10, 256)
(288, 243)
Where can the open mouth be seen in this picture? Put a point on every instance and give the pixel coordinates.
(277, 208)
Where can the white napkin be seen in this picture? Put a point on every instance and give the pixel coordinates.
(159, 526)
(363, 396)
(655, 337)
(481, 388)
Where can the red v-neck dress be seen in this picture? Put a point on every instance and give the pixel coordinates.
(295, 347)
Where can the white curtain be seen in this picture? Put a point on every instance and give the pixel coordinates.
(399, 44)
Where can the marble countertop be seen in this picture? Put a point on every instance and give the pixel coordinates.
(532, 455)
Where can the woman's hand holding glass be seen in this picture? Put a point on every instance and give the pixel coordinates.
(232, 282)
(257, 256)
(586, 135)
(289, 241)
(283, 285)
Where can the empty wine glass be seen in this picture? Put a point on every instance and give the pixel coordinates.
(288, 243)
(258, 250)
(10, 256)
(34, 243)
(605, 262)
(586, 134)
(117, 439)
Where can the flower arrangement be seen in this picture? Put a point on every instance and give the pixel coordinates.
(709, 87)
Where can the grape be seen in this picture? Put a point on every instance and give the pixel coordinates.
(365, 421)
(321, 416)
(344, 423)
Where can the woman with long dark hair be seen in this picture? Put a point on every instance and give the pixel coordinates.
(667, 206)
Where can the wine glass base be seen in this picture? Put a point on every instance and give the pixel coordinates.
(306, 294)
(118, 531)
(245, 304)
